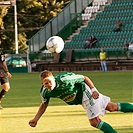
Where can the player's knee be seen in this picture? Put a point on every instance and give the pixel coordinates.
(113, 108)
(6, 89)
(93, 122)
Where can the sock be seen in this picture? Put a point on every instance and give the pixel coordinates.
(105, 127)
(2, 93)
(125, 107)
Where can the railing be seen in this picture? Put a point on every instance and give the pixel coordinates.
(71, 27)
(56, 25)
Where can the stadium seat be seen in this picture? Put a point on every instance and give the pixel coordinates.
(102, 28)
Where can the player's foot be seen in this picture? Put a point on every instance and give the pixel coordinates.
(1, 106)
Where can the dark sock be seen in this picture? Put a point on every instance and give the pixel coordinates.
(125, 107)
(2, 93)
(105, 127)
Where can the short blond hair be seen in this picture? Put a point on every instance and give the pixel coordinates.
(45, 73)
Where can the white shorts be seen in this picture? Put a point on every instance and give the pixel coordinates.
(94, 107)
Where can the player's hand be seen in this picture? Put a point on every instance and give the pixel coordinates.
(32, 123)
(9, 75)
(95, 94)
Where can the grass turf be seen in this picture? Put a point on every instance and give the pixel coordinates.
(59, 119)
(20, 105)
(25, 88)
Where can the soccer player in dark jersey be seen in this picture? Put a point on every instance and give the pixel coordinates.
(4, 75)
(78, 89)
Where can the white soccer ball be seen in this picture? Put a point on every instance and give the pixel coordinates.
(55, 44)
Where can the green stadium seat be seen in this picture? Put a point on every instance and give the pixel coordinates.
(102, 28)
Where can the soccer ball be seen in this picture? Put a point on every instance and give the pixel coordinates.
(55, 44)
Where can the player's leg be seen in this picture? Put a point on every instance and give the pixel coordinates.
(123, 107)
(102, 66)
(103, 126)
(95, 107)
(6, 86)
(105, 67)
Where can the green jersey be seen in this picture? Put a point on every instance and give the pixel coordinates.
(69, 88)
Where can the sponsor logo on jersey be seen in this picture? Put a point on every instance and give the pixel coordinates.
(70, 98)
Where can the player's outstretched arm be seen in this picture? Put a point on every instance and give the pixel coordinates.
(40, 112)
(95, 94)
(88, 82)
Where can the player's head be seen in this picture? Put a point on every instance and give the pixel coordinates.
(48, 79)
(102, 49)
(45, 74)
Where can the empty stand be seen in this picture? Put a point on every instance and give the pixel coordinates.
(102, 28)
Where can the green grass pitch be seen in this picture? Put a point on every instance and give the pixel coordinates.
(22, 101)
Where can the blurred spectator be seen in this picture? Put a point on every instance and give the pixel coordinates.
(118, 26)
(90, 43)
(130, 50)
(83, 11)
(103, 56)
(87, 43)
(126, 45)
(93, 41)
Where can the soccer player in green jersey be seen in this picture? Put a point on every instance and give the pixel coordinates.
(78, 89)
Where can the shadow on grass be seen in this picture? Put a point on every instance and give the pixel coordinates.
(123, 130)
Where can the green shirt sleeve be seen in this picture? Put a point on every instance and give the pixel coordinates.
(45, 99)
(72, 78)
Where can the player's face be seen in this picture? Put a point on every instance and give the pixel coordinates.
(49, 82)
